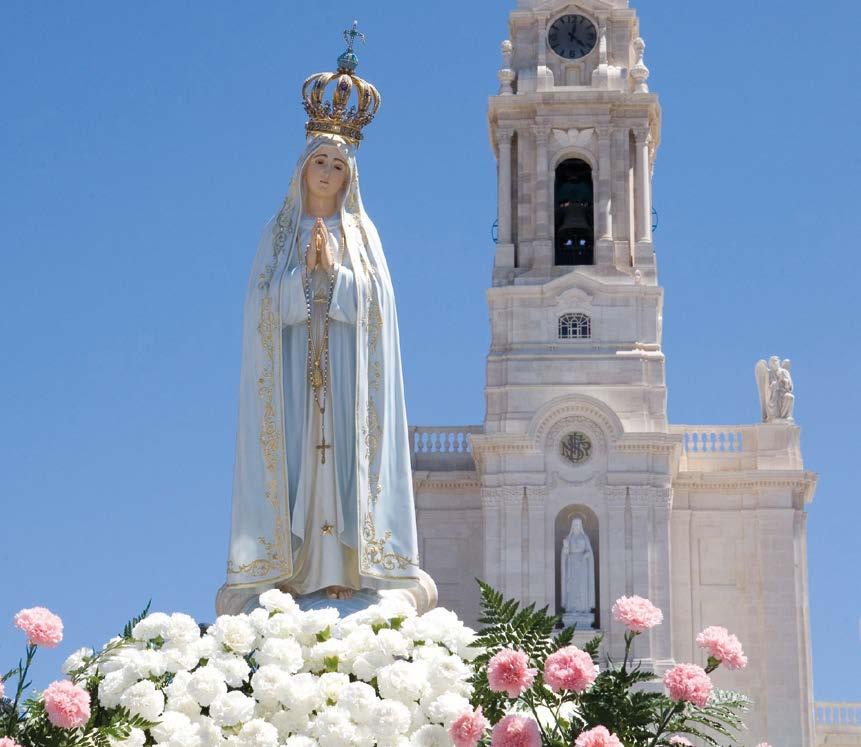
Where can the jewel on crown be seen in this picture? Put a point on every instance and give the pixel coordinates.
(334, 114)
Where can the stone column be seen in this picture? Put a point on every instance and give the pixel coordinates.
(536, 499)
(513, 542)
(614, 551)
(641, 535)
(504, 246)
(604, 203)
(662, 647)
(643, 196)
(622, 230)
(542, 199)
(491, 510)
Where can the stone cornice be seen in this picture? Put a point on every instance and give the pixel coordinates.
(802, 482)
(445, 482)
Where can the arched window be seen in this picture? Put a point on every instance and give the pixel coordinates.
(575, 327)
(574, 213)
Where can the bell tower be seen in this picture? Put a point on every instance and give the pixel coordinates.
(575, 130)
(575, 431)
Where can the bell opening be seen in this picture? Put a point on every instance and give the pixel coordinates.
(574, 213)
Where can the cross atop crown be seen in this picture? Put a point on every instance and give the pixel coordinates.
(348, 61)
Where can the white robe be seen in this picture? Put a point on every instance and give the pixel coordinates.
(281, 492)
(322, 557)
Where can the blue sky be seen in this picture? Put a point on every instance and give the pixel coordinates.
(144, 145)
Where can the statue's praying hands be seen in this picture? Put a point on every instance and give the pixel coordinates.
(319, 251)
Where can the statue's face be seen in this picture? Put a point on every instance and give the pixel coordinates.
(326, 172)
(577, 525)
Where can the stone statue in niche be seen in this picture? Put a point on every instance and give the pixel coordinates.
(577, 562)
(775, 390)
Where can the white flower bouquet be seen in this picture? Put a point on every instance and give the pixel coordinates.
(276, 677)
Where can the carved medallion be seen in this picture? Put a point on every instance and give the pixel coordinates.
(576, 447)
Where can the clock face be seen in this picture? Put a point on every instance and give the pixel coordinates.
(572, 36)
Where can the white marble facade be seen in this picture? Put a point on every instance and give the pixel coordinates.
(707, 521)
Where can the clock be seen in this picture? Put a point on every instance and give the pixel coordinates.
(572, 36)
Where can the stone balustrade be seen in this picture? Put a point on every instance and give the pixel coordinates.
(441, 447)
(724, 448)
(847, 716)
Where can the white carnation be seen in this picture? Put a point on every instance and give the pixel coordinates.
(316, 621)
(178, 698)
(366, 666)
(290, 722)
(234, 668)
(333, 728)
(182, 629)
(359, 699)
(148, 663)
(143, 700)
(77, 660)
(206, 684)
(135, 739)
(393, 643)
(446, 708)
(302, 694)
(281, 626)
(206, 647)
(418, 717)
(171, 722)
(257, 733)
(179, 657)
(235, 633)
(359, 640)
(113, 686)
(283, 652)
(151, 627)
(450, 674)
(319, 652)
(209, 732)
(391, 718)
(270, 683)
(276, 600)
(331, 684)
(405, 681)
(430, 735)
(231, 708)
(258, 617)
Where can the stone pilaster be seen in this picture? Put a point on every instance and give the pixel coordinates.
(504, 246)
(604, 205)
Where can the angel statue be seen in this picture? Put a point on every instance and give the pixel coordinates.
(775, 389)
(578, 577)
(323, 502)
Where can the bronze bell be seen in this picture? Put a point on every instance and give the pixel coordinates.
(574, 217)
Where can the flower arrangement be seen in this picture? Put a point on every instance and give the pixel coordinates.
(539, 689)
(386, 676)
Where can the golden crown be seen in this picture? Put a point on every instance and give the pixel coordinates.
(335, 115)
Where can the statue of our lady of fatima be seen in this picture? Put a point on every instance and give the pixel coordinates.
(323, 503)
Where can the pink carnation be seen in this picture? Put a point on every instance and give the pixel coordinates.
(509, 672)
(515, 731)
(681, 740)
(637, 614)
(689, 682)
(7, 742)
(723, 646)
(41, 626)
(763, 744)
(597, 737)
(468, 728)
(569, 668)
(67, 705)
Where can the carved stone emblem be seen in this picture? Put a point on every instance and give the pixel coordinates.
(576, 447)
